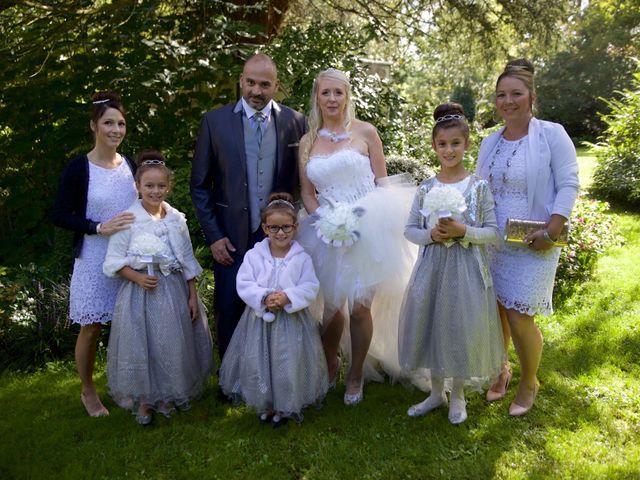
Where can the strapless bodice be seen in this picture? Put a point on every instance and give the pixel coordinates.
(341, 176)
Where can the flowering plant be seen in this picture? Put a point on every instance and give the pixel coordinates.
(592, 231)
(149, 248)
(338, 224)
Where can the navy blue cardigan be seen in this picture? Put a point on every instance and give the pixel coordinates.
(70, 208)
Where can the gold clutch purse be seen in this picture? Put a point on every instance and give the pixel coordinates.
(516, 230)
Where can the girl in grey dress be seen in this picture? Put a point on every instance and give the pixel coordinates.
(449, 321)
(275, 362)
(159, 355)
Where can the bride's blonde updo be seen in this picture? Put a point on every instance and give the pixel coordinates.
(315, 116)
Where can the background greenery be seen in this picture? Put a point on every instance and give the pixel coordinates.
(172, 61)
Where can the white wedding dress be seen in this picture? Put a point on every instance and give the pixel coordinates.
(373, 271)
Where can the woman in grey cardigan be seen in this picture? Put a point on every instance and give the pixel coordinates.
(532, 170)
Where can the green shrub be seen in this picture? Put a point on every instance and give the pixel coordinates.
(592, 232)
(33, 318)
(419, 170)
(617, 174)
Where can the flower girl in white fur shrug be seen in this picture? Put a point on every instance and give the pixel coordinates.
(275, 362)
(159, 355)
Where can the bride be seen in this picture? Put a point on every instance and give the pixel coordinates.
(354, 234)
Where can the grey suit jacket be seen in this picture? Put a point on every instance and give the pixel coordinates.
(219, 188)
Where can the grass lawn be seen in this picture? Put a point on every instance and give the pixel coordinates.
(585, 424)
(587, 161)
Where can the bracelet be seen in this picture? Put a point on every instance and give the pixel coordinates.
(98, 228)
(548, 238)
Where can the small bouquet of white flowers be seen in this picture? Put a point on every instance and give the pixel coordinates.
(338, 224)
(149, 248)
(442, 202)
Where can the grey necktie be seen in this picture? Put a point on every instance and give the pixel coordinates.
(258, 119)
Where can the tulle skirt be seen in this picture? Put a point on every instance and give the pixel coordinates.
(449, 322)
(278, 366)
(156, 353)
(372, 272)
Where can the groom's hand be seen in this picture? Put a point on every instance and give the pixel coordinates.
(220, 250)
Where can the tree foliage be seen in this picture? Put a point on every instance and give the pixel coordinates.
(171, 61)
(410, 18)
(599, 60)
(174, 60)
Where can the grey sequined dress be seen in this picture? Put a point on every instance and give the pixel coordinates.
(449, 320)
(156, 353)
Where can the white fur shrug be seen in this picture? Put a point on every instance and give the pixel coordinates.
(177, 234)
(258, 276)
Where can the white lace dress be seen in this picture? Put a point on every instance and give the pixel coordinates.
(92, 294)
(375, 270)
(523, 278)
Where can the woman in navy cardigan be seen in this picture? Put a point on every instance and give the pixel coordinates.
(532, 169)
(93, 193)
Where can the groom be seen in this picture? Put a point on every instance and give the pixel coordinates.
(244, 151)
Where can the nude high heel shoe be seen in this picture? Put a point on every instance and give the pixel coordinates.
(499, 389)
(516, 410)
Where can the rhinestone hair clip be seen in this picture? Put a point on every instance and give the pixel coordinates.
(98, 102)
(152, 162)
(449, 117)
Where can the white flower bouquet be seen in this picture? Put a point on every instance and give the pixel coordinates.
(149, 248)
(442, 202)
(338, 224)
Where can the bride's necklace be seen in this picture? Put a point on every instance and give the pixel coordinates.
(333, 136)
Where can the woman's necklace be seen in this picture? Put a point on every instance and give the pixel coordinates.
(333, 137)
(499, 189)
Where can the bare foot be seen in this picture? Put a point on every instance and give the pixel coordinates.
(93, 405)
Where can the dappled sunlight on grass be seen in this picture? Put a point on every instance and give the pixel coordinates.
(585, 424)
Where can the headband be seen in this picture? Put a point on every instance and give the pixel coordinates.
(152, 162)
(279, 201)
(449, 117)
